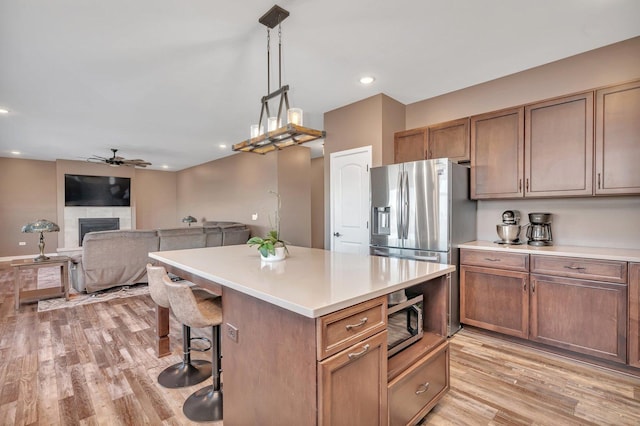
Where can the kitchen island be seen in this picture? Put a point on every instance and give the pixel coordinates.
(305, 339)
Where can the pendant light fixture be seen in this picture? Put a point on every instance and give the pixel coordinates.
(277, 135)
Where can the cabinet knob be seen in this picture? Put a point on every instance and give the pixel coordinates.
(422, 388)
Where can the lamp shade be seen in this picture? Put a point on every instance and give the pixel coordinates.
(41, 225)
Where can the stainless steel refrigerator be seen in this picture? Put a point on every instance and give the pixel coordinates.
(421, 210)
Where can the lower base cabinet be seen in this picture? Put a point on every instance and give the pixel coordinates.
(634, 315)
(586, 306)
(414, 392)
(353, 384)
(495, 299)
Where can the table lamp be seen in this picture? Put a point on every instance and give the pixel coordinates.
(41, 226)
(189, 220)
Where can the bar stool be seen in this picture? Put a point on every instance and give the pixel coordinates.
(188, 372)
(205, 404)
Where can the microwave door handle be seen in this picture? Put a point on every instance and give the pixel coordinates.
(399, 207)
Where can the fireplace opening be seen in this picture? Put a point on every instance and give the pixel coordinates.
(97, 224)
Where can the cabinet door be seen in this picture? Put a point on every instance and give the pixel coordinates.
(589, 317)
(497, 154)
(410, 145)
(634, 314)
(495, 299)
(559, 147)
(618, 140)
(353, 384)
(449, 140)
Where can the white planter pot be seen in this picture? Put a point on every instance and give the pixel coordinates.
(280, 255)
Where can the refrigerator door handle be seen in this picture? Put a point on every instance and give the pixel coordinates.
(399, 210)
(405, 207)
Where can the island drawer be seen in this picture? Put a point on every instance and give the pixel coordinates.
(586, 269)
(495, 259)
(339, 330)
(414, 392)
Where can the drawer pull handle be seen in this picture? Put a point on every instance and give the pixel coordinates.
(491, 259)
(362, 322)
(576, 268)
(422, 388)
(355, 355)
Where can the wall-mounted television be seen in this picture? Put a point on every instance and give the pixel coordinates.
(82, 190)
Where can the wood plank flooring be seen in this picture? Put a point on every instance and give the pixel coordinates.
(95, 365)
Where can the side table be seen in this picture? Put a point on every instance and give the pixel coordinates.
(43, 293)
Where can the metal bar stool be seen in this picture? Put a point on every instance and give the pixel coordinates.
(205, 404)
(188, 372)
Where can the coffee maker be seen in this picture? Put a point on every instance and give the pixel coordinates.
(539, 229)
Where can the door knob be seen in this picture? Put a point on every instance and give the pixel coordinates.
(336, 234)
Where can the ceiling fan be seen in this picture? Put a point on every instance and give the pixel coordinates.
(116, 160)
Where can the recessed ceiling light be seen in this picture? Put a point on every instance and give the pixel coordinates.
(164, 166)
(4, 111)
(16, 152)
(367, 79)
(222, 146)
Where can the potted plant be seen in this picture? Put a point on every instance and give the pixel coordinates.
(271, 247)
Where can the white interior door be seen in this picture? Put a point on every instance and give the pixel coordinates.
(349, 185)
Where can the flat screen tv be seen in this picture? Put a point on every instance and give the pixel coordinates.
(82, 190)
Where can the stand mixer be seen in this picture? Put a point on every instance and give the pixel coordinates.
(509, 229)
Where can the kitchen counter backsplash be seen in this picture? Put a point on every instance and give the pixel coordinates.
(589, 222)
(604, 253)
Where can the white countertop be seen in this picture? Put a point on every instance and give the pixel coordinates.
(621, 254)
(310, 282)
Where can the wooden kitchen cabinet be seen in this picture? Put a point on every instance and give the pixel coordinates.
(617, 152)
(571, 303)
(580, 305)
(352, 385)
(634, 315)
(494, 291)
(558, 141)
(497, 154)
(410, 145)
(495, 299)
(449, 140)
(588, 317)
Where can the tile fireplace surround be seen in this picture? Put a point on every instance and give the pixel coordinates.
(73, 214)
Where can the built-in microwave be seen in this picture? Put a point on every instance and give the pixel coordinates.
(404, 324)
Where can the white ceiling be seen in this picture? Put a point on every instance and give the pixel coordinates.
(169, 80)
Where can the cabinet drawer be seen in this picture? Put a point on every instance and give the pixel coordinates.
(574, 267)
(339, 330)
(413, 393)
(495, 259)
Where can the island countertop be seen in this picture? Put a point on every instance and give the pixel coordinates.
(310, 282)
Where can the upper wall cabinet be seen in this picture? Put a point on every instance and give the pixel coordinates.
(497, 154)
(444, 140)
(410, 145)
(541, 150)
(449, 140)
(617, 157)
(558, 142)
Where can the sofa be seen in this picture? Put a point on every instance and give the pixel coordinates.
(115, 258)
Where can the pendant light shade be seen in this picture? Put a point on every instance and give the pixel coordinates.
(272, 132)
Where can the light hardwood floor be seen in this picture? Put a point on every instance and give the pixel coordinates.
(95, 365)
